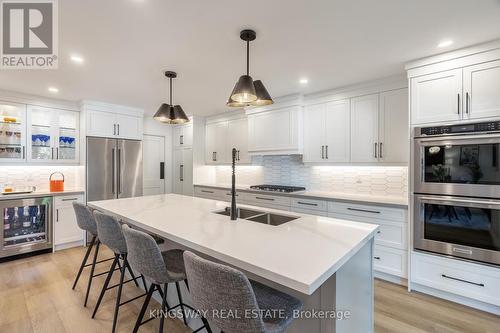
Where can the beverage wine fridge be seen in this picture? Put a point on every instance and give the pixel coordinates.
(27, 226)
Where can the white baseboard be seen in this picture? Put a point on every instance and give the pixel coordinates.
(391, 278)
(68, 245)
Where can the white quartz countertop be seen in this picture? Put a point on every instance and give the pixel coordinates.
(301, 254)
(40, 193)
(327, 195)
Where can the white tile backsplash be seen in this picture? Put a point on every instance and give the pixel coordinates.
(289, 170)
(38, 176)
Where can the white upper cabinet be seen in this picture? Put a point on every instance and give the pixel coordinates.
(393, 126)
(314, 133)
(215, 143)
(183, 136)
(364, 128)
(337, 131)
(481, 90)
(54, 135)
(436, 97)
(12, 132)
(237, 137)
(113, 121)
(275, 131)
(326, 132)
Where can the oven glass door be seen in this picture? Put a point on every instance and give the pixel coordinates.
(464, 227)
(459, 166)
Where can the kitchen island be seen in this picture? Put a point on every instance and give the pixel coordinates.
(325, 262)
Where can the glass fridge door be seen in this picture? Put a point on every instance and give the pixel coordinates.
(12, 132)
(26, 225)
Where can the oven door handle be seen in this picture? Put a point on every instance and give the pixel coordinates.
(438, 138)
(468, 201)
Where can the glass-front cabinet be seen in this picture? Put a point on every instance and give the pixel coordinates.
(53, 135)
(12, 132)
(27, 225)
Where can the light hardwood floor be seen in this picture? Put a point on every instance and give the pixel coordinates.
(36, 296)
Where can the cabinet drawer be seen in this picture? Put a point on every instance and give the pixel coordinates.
(390, 261)
(378, 212)
(209, 193)
(309, 211)
(309, 204)
(265, 199)
(67, 201)
(458, 277)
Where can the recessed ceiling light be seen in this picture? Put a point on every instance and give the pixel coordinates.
(77, 59)
(53, 90)
(303, 81)
(445, 43)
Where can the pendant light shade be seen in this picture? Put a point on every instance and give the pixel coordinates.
(169, 113)
(248, 92)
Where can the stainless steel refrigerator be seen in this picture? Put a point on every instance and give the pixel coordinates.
(114, 168)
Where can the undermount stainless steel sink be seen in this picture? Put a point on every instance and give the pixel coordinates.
(259, 216)
(242, 212)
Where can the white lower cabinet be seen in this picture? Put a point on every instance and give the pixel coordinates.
(478, 282)
(183, 171)
(66, 230)
(390, 261)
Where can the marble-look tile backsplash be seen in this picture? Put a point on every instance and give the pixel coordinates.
(289, 170)
(38, 176)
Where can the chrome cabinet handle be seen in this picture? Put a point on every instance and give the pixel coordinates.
(462, 280)
(380, 150)
(118, 125)
(205, 191)
(378, 258)
(215, 154)
(376, 148)
(52, 153)
(181, 173)
(364, 210)
(24, 153)
(322, 152)
(238, 154)
(307, 203)
(69, 199)
(114, 129)
(57, 215)
(458, 103)
(326, 151)
(57, 153)
(467, 102)
(181, 139)
(261, 198)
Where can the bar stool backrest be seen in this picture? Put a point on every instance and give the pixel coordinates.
(110, 233)
(144, 255)
(215, 287)
(84, 218)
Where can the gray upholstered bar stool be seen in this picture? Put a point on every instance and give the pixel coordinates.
(86, 222)
(110, 234)
(219, 287)
(160, 268)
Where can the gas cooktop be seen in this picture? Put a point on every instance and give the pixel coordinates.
(278, 188)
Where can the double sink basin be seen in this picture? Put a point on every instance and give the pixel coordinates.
(259, 216)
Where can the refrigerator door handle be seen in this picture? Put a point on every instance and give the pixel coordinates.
(119, 167)
(113, 171)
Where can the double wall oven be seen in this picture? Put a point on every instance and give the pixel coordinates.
(457, 191)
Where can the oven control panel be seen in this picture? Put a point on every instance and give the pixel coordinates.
(491, 126)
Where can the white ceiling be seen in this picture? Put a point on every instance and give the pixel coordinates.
(128, 43)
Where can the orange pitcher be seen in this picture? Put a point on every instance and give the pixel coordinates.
(56, 185)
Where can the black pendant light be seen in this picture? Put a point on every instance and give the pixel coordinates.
(248, 92)
(169, 113)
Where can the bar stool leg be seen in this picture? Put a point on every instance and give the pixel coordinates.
(144, 307)
(207, 326)
(96, 252)
(106, 283)
(163, 307)
(118, 297)
(181, 303)
(84, 262)
(132, 274)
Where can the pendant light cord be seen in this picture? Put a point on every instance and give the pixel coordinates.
(248, 58)
(170, 91)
